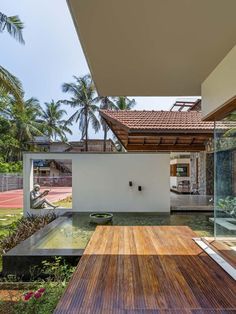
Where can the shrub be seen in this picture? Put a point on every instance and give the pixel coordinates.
(228, 205)
(58, 270)
(40, 302)
(24, 228)
(45, 298)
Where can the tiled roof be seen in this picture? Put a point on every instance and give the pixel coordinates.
(159, 120)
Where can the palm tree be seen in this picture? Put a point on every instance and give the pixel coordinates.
(8, 82)
(124, 103)
(105, 104)
(25, 121)
(54, 122)
(11, 84)
(83, 99)
(13, 25)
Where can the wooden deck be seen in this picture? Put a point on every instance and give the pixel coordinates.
(147, 270)
(224, 250)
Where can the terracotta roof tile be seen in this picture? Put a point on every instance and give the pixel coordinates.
(159, 120)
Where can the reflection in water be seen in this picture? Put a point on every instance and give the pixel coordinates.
(75, 232)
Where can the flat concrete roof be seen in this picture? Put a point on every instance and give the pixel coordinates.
(154, 47)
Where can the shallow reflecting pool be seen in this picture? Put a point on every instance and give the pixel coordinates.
(75, 232)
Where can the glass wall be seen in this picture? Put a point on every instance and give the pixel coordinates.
(225, 177)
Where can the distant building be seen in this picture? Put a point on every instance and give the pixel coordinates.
(59, 172)
(94, 145)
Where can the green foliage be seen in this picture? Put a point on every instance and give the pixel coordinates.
(124, 103)
(58, 270)
(11, 167)
(13, 25)
(106, 103)
(44, 304)
(22, 120)
(24, 228)
(57, 273)
(53, 116)
(228, 204)
(8, 82)
(11, 84)
(83, 98)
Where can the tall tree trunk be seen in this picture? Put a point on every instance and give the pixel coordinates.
(105, 127)
(86, 129)
(105, 139)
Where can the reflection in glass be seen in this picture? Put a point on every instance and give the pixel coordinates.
(225, 177)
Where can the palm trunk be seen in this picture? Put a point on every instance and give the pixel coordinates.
(105, 127)
(86, 130)
(105, 139)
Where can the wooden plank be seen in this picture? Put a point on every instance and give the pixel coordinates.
(224, 250)
(147, 269)
(164, 148)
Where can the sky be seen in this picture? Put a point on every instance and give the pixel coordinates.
(52, 54)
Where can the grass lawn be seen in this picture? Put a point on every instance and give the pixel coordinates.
(7, 217)
(66, 203)
(10, 215)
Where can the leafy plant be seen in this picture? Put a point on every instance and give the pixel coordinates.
(58, 270)
(45, 298)
(41, 301)
(11, 167)
(24, 228)
(228, 205)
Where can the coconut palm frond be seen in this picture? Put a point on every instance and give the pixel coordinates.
(82, 93)
(94, 120)
(13, 25)
(53, 116)
(124, 103)
(11, 84)
(230, 133)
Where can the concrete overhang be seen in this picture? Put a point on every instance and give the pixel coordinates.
(153, 47)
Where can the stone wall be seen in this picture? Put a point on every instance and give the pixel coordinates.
(205, 172)
(193, 170)
(210, 174)
(202, 173)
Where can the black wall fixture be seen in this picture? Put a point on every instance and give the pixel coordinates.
(139, 188)
(130, 183)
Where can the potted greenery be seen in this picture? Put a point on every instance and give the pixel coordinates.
(228, 205)
(100, 218)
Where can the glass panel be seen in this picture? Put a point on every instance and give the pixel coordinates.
(225, 177)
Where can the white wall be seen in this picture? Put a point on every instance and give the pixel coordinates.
(101, 181)
(220, 86)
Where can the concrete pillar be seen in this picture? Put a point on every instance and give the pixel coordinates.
(28, 178)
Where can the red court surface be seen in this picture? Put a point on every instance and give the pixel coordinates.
(14, 199)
